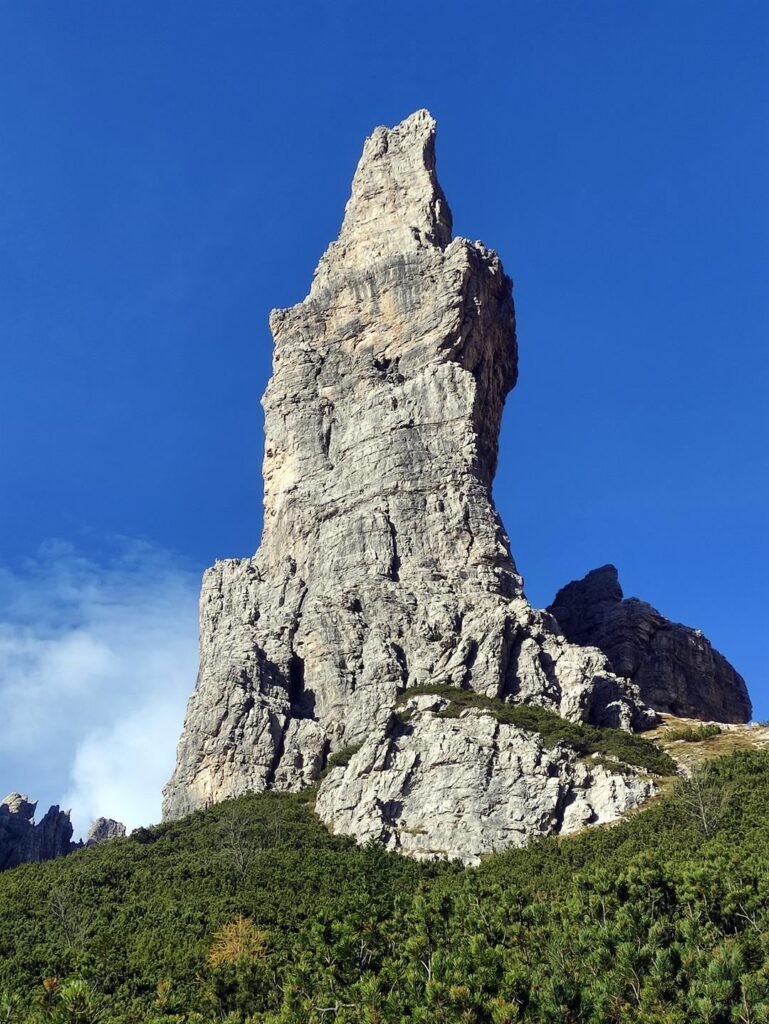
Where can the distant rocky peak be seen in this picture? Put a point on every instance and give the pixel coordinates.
(599, 586)
(19, 803)
(21, 840)
(104, 829)
(675, 667)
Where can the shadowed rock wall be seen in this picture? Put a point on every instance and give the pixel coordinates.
(676, 668)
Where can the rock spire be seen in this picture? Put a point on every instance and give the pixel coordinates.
(21, 840)
(383, 563)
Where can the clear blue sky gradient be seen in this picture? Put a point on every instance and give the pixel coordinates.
(169, 172)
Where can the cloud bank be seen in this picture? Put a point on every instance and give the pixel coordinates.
(97, 659)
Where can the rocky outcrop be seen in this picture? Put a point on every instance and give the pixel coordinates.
(21, 840)
(675, 667)
(463, 787)
(104, 829)
(383, 563)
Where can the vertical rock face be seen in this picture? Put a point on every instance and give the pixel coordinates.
(21, 840)
(383, 563)
(675, 667)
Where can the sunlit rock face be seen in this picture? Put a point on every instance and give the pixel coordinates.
(676, 668)
(383, 563)
(435, 786)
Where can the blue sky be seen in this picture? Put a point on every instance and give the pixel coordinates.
(170, 172)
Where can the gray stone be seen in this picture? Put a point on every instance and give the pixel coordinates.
(676, 668)
(104, 829)
(383, 563)
(464, 787)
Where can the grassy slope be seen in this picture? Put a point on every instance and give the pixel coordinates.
(659, 918)
(729, 740)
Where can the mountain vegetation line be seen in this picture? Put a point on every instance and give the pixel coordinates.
(252, 913)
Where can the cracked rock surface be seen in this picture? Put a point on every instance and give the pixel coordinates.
(463, 787)
(383, 563)
(676, 668)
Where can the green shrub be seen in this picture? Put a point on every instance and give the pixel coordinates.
(690, 735)
(340, 759)
(658, 919)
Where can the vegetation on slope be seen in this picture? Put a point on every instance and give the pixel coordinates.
(251, 911)
(627, 748)
(691, 756)
(697, 734)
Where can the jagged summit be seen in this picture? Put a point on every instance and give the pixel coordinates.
(397, 205)
(676, 668)
(19, 803)
(383, 564)
(21, 840)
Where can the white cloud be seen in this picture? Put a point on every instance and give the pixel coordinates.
(97, 659)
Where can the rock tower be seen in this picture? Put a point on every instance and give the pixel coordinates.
(383, 563)
(21, 840)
